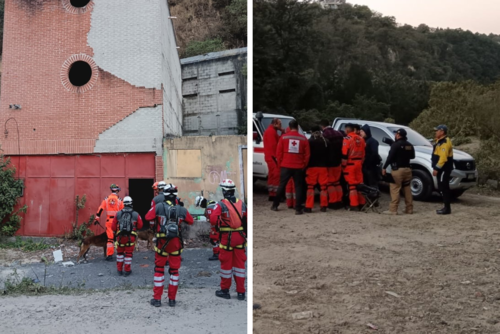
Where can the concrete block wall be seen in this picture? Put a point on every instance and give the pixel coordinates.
(209, 89)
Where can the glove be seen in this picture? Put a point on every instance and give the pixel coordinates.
(181, 203)
(96, 222)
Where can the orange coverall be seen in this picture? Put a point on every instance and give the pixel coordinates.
(111, 204)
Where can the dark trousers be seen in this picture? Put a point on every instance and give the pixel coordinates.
(298, 176)
(370, 177)
(443, 178)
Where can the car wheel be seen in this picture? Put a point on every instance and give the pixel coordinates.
(457, 193)
(421, 185)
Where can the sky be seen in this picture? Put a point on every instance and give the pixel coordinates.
(481, 16)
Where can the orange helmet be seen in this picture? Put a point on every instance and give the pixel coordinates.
(155, 186)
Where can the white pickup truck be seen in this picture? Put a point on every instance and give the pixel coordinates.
(261, 122)
(463, 177)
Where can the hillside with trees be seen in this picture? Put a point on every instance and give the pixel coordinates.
(318, 63)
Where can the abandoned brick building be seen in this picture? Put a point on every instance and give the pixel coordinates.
(89, 90)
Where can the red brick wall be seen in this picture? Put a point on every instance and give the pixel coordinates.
(39, 37)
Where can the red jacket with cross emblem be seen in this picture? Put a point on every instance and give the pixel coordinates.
(293, 150)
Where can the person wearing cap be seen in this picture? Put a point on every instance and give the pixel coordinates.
(400, 154)
(442, 165)
(111, 204)
(335, 140)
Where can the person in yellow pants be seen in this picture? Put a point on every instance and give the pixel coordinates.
(111, 204)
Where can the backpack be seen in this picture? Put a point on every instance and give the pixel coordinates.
(235, 220)
(126, 224)
(170, 223)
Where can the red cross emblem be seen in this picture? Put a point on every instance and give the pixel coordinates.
(229, 181)
(294, 143)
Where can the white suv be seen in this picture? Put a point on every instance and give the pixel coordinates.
(463, 177)
(261, 122)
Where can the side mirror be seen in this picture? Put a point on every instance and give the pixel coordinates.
(387, 141)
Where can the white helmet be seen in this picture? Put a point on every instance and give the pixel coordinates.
(170, 190)
(198, 200)
(161, 185)
(227, 184)
(127, 201)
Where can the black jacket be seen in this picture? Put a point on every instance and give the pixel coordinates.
(335, 142)
(319, 151)
(400, 154)
(372, 159)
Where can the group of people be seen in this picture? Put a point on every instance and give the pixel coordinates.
(227, 218)
(340, 161)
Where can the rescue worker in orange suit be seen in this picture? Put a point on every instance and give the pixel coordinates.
(270, 139)
(166, 218)
(293, 156)
(214, 234)
(230, 217)
(334, 167)
(111, 204)
(290, 189)
(124, 226)
(317, 171)
(155, 189)
(353, 153)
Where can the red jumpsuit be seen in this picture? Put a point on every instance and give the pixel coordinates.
(232, 244)
(125, 244)
(353, 154)
(111, 204)
(270, 140)
(171, 252)
(214, 234)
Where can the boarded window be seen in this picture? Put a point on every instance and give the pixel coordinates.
(188, 163)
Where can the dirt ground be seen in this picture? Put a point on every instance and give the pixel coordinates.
(197, 311)
(419, 273)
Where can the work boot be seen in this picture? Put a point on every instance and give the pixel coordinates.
(127, 273)
(155, 302)
(323, 209)
(291, 207)
(408, 212)
(120, 272)
(241, 296)
(307, 210)
(388, 212)
(223, 294)
(271, 198)
(444, 211)
(354, 208)
(214, 257)
(299, 212)
(171, 303)
(109, 258)
(274, 208)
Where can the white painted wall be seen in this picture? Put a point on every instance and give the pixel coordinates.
(139, 132)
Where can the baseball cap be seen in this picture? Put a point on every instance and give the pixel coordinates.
(441, 127)
(402, 132)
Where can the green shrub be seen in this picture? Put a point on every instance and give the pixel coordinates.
(195, 48)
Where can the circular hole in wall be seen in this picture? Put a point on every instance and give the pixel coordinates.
(80, 73)
(79, 3)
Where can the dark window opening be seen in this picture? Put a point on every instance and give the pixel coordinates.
(80, 73)
(190, 95)
(79, 3)
(142, 193)
(226, 73)
(190, 79)
(227, 91)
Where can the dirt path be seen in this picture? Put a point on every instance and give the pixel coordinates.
(405, 274)
(197, 311)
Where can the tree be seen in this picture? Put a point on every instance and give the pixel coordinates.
(10, 191)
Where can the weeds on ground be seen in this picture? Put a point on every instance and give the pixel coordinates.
(25, 245)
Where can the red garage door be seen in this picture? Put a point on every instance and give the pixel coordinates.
(53, 182)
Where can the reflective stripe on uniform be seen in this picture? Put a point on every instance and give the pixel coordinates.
(228, 229)
(174, 280)
(176, 253)
(231, 248)
(226, 273)
(119, 258)
(239, 272)
(128, 260)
